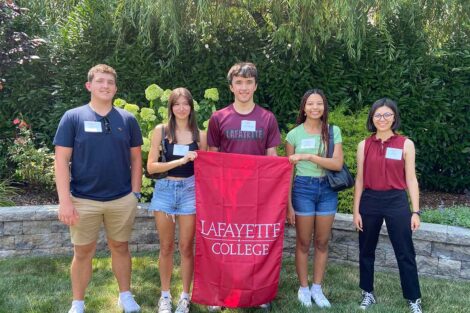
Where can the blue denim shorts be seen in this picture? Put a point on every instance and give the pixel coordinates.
(175, 197)
(313, 196)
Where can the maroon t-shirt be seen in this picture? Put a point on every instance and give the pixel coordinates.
(251, 133)
(384, 163)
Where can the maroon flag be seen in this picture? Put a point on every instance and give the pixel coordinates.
(241, 205)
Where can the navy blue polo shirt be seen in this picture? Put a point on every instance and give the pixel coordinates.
(101, 162)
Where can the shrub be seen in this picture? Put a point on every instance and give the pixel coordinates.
(155, 112)
(6, 193)
(34, 166)
(353, 130)
(455, 216)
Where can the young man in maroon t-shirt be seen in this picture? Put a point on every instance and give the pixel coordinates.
(243, 126)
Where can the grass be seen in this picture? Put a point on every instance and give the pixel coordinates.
(42, 285)
(454, 216)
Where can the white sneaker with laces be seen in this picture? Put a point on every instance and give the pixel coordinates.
(320, 299)
(415, 306)
(214, 308)
(183, 306)
(127, 303)
(368, 299)
(164, 305)
(304, 297)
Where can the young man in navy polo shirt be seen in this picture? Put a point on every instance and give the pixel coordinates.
(98, 168)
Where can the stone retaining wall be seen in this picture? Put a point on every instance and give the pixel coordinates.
(442, 251)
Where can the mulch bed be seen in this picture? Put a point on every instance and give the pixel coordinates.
(430, 199)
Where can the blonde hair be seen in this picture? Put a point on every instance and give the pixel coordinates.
(101, 68)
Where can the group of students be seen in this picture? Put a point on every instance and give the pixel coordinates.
(102, 144)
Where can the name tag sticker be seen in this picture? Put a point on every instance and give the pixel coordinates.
(248, 126)
(394, 153)
(180, 150)
(93, 127)
(307, 143)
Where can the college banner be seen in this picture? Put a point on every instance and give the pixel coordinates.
(241, 205)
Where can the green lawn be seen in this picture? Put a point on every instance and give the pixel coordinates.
(42, 285)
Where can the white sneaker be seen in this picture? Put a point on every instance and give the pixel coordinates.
(368, 299)
(164, 305)
(415, 306)
(320, 299)
(127, 303)
(266, 306)
(214, 308)
(183, 306)
(304, 297)
(77, 309)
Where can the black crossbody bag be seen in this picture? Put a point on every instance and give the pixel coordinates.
(338, 180)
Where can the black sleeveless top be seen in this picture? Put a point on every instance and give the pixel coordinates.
(186, 170)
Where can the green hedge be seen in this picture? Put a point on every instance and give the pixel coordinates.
(430, 85)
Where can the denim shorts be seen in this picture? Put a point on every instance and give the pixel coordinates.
(175, 197)
(313, 196)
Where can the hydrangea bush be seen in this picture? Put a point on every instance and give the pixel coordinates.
(155, 112)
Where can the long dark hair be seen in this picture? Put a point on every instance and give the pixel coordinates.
(171, 133)
(324, 118)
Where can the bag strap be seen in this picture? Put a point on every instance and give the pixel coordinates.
(331, 141)
(163, 140)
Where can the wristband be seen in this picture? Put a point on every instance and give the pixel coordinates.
(417, 213)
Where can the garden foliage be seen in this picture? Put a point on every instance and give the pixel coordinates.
(416, 52)
(155, 112)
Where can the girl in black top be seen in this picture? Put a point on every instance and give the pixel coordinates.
(174, 196)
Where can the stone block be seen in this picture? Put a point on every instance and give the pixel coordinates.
(133, 248)
(143, 237)
(384, 243)
(36, 227)
(390, 260)
(448, 267)
(1, 228)
(45, 213)
(59, 227)
(7, 243)
(338, 251)
(66, 240)
(15, 214)
(422, 247)
(289, 232)
(449, 251)
(38, 241)
(7, 253)
(53, 251)
(344, 222)
(431, 232)
(353, 253)
(427, 264)
(144, 224)
(345, 237)
(149, 247)
(380, 256)
(465, 270)
(13, 228)
(14, 253)
(459, 236)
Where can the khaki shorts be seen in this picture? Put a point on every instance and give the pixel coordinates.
(117, 215)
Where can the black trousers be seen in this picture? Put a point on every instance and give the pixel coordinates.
(391, 205)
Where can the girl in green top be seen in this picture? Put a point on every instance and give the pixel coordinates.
(312, 203)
